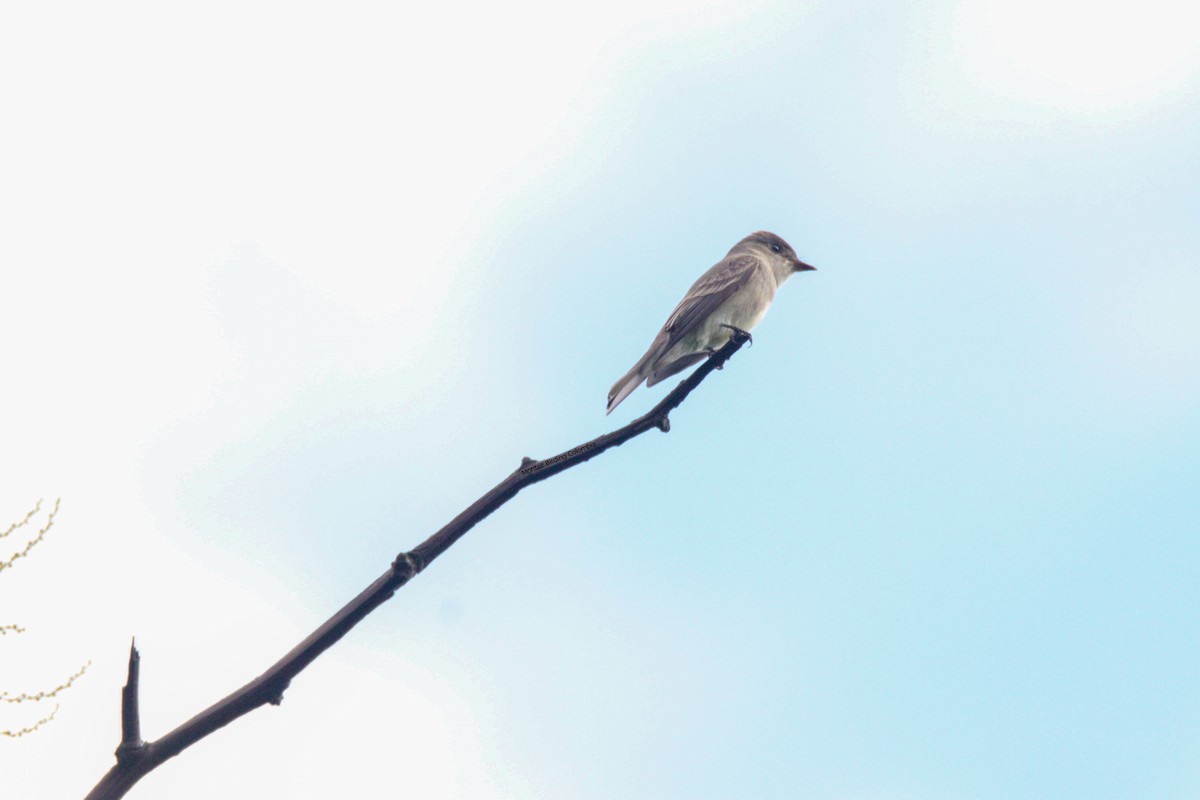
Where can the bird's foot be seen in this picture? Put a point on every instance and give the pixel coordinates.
(739, 332)
(710, 352)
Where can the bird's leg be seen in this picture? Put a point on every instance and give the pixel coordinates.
(736, 330)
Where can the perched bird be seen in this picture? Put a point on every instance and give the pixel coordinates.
(733, 295)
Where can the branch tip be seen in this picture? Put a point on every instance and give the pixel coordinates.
(663, 423)
(131, 746)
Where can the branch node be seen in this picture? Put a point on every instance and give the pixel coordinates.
(129, 753)
(663, 423)
(526, 461)
(408, 564)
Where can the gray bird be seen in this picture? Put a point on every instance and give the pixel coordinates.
(733, 295)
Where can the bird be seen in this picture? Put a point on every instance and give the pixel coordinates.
(730, 297)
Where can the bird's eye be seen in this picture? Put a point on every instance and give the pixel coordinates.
(775, 248)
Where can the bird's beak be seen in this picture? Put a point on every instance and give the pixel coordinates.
(802, 267)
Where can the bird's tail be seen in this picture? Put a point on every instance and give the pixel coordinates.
(621, 389)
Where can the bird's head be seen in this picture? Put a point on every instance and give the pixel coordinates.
(778, 253)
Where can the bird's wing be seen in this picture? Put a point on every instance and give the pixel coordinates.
(665, 371)
(706, 296)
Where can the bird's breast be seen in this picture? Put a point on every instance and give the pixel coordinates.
(744, 310)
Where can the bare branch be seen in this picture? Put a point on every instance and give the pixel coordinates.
(270, 686)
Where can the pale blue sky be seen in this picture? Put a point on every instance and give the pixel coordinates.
(306, 284)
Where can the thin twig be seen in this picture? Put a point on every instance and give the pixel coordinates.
(23, 697)
(17, 734)
(35, 540)
(24, 521)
